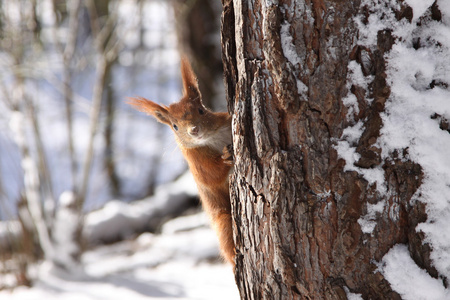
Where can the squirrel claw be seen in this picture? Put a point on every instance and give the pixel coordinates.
(227, 155)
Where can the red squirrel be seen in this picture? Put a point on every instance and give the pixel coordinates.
(204, 138)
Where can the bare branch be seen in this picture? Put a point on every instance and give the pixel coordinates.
(103, 37)
(74, 10)
(94, 117)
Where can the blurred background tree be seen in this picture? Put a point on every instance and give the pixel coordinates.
(198, 33)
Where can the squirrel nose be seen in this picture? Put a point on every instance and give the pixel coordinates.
(193, 131)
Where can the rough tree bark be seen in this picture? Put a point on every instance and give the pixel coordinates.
(295, 209)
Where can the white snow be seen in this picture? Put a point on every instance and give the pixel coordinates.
(444, 5)
(65, 230)
(346, 148)
(287, 45)
(352, 296)
(185, 223)
(355, 77)
(368, 221)
(118, 219)
(181, 263)
(419, 7)
(408, 123)
(290, 53)
(406, 278)
(411, 121)
(175, 265)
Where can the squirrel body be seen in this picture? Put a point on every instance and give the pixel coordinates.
(203, 137)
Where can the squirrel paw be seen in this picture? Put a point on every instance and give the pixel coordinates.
(227, 155)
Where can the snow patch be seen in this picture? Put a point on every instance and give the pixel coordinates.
(444, 6)
(381, 17)
(347, 151)
(407, 279)
(290, 52)
(410, 122)
(419, 7)
(65, 231)
(355, 77)
(119, 219)
(168, 266)
(418, 74)
(186, 223)
(287, 44)
(368, 222)
(352, 296)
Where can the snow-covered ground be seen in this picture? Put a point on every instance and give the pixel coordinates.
(171, 281)
(182, 263)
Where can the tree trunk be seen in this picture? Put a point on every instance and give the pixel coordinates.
(198, 32)
(295, 206)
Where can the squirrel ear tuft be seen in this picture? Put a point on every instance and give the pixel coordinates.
(159, 112)
(190, 83)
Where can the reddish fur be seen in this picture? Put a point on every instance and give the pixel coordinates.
(210, 171)
(211, 174)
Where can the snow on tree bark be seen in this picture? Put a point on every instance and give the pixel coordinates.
(298, 212)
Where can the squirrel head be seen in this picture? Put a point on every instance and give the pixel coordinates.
(193, 124)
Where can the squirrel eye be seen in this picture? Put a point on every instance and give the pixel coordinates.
(175, 127)
(201, 111)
